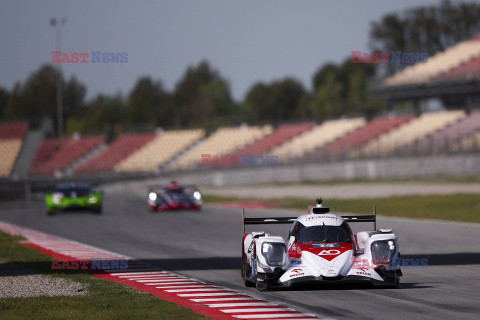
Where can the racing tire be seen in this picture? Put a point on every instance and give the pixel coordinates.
(395, 283)
(98, 210)
(260, 284)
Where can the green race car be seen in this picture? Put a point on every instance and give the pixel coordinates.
(73, 196)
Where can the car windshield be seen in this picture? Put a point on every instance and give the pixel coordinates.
(176, 190)
(80, 191)
(323, 234)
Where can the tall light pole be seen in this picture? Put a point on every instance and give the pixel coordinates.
(57, 24)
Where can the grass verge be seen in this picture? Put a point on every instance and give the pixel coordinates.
(104, 299)
(456, 207)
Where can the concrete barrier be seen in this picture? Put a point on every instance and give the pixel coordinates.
(388, 168)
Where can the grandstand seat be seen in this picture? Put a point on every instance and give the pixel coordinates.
(222, 142)
(408, 133)
(64, 153)
(160, 150)
(437, 65)
(279, 136)
(119, 150)
(11, 139)
(315, 138)
(341, 147)
(443, 140)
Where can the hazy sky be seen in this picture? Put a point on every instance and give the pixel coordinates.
(246, 41)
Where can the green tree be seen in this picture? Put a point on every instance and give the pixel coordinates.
(201, 95)
(4, 96)
(73, 98)
(284, 99)
(102, 114)
(280, 100)
(145, 103)
(255, 105)
(36, 98)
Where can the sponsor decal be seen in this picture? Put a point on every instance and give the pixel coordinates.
(320, 217)
(330, 272)
(89, 57)
(383, 57)
(296, 273)
(326, 245)
(329, 252)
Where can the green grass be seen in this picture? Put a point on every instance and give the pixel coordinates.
(457, 207)
(104, 299)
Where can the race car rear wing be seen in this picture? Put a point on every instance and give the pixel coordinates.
(364, 218)
(285, 220)
(266, 220)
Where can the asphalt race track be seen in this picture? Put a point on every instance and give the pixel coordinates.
(207, 245)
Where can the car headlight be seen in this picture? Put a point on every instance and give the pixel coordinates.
(274, 253)
(57, 198)
(383, 251)
(197, 195)
(92, 200)
(152, 196)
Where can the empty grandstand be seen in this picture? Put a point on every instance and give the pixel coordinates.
(445, 139)
(279, 136)
(470, 143)
(11, 139)
(315, 138)
(221, 142)
(55, 155)
(452, 76)
(441, 62)
(160, 150)
(409, 133)
(119, 150)
(340, 148)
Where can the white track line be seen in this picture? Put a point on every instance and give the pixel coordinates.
(241, 304)
(223, 299)
(270, 316)
(254, 310)
(169, 283)
(181, 287)
(193, 290)
(208, 294)
(164, 279)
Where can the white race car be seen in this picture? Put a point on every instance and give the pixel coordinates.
(320, 247)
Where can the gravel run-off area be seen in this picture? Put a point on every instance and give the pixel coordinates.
(17, 280)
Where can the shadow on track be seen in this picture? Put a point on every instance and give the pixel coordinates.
(447, 259)
(230, 263)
